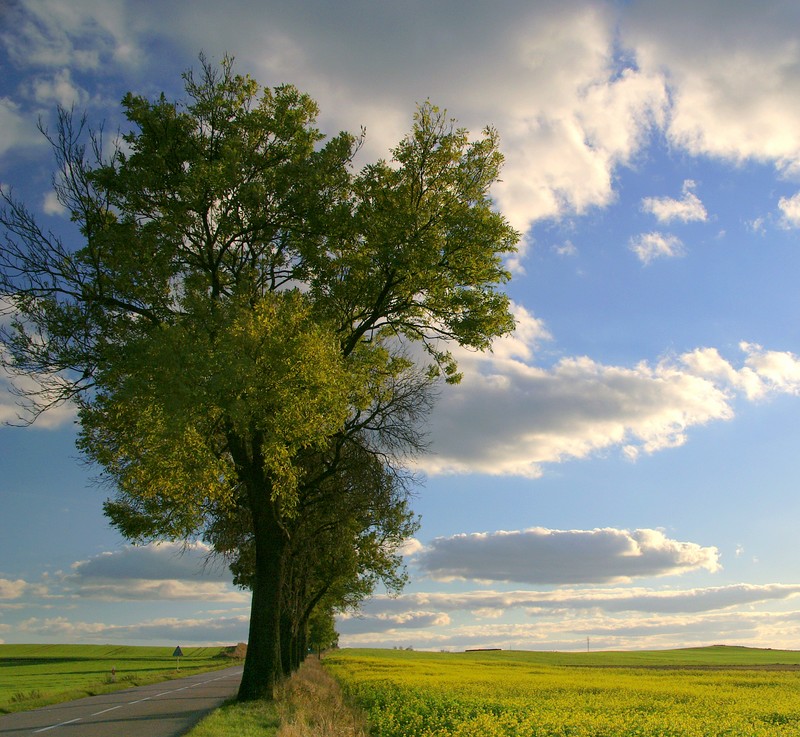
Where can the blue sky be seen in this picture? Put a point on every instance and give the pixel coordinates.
(624, 467)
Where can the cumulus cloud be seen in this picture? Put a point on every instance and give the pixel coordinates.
(359, 623)
(653, 245)
(143, 590)
(614, 618)
(487, 603)
(543, 556)
(152, 572)
(12, 589)
(157, 561)
(566, 632)
(666, 209)
(546, 76)
(509, 417)
(732, 71)
(575, 87)
(83, 35)
(52, 206)
(15, 410)
(200, 631)
(16, 130)
(790, 211)
(58, 89)
(769, 372)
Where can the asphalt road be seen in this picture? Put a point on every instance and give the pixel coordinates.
(165, 709)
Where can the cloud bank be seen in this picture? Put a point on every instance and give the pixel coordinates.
(542, 556)
(159, 571)
(510, 417)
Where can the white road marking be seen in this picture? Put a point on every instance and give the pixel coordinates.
(57, 725)
(131, 703)
(98, 713)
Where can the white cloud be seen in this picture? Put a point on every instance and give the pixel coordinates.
(667, 209)
(159, 590)
(157, 561)
(83, 35)
(732, 71)
(58, 89)
(410, 547)
(567, 248)
(790, 210)
(16, 130)
(778, 372)
(168, 630)
(544, 75)
(543, 556)
(509, 417)
(608, 599)
(568, 631)
(613, 619)
(157, 571)
(717, 78)
(649, 246)
(12, 589)
(15, 409)
(52, 206)
(358, 623)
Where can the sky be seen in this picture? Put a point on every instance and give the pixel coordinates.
(619, 473)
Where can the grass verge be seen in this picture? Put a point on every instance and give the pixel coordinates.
(309, 704)
(32, 676)
(250, 719)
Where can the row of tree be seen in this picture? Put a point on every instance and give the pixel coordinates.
(253, 331)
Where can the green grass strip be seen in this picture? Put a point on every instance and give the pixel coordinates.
(249, 719)
(32, 676)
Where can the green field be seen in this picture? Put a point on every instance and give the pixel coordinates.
(698, 692)
(36, 675)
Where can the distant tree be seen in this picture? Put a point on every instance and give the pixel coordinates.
(322, 633)
(235, 307)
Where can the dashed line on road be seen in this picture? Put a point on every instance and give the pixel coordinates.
(98, 713)
(131, 703)
(53, 726)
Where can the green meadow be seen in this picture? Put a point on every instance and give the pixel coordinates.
(35, 675)
(694, 692)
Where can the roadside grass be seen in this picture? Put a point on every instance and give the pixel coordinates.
(32, 676)
(249, 719)
(309, 704)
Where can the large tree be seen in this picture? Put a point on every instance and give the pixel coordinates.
(237, 308)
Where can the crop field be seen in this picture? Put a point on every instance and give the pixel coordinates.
(699, 692)
(35, 675)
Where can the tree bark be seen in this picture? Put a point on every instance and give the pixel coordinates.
(262, 666)
(287, 643)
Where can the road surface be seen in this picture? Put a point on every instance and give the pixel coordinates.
(165, 709)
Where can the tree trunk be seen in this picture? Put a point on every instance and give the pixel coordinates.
(262, 666)
(302, 642)
(287, 642)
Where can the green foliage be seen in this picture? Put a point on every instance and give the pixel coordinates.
(493, 694)
(235, 324)
(161, 422)
(322, 632)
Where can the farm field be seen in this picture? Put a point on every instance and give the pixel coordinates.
(698, 692)
(36, 675)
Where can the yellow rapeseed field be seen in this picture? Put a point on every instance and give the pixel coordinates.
(407, 694)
